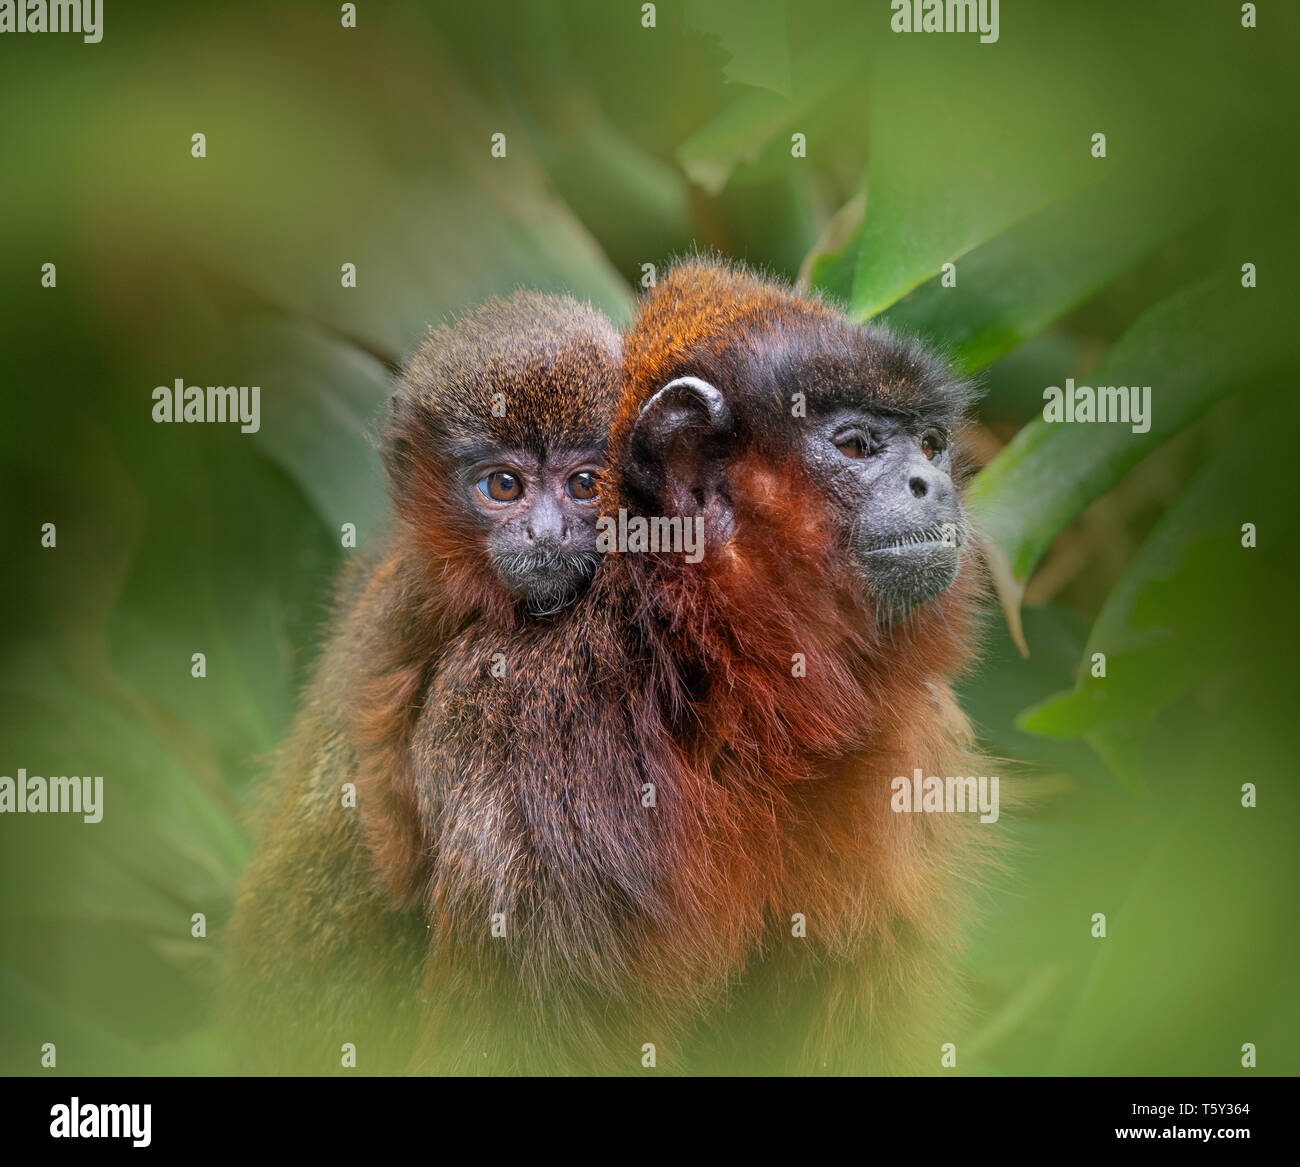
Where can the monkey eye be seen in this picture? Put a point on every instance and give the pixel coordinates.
(933, 443)
(582, 485)
(853, 444)
(501, 486)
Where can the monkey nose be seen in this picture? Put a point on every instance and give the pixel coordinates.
(547, 532)
(926, 483)
(546, 522)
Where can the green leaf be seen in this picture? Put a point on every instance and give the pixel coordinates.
(150, 789)
(323, 402)
(942, 182)
(740, 134)
(753, 33)
(1032, 274)
(1192, 349)
(1149, 662)
(1006, 682)
(1162, 630)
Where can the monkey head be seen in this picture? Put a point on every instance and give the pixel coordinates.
(494, 445)
(753, 407)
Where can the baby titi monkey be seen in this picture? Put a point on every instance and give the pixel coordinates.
(493, 450)
(493, 447)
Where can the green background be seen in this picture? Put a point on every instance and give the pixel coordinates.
(626, 146)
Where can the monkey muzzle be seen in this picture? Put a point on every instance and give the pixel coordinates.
(904, 571)
(546, 579)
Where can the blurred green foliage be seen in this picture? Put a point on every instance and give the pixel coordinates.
(627, 145)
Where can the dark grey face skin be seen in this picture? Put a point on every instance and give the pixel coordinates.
(891, 477)
(540, 514)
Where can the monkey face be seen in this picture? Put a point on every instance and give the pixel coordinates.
(889, 478)
(883, 480)
(538, 515)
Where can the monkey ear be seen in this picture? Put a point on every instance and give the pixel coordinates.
(677, 445)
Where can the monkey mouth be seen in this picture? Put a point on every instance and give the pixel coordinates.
(921, 541)
(905, 571)
(545, 581)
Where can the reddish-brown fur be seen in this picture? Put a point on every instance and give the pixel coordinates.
(671, 925)
(325, 946)
(520, 798)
